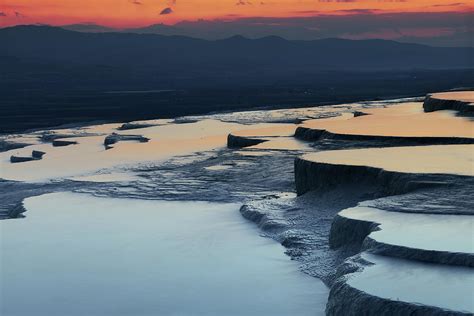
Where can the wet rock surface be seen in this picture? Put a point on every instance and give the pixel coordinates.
(62, 142)
(449, 101)
(35, 155)
(302, 225)
(13, 193)
(129, 126)
(309, 134)
(6, 145)
(18, 159)
(347, 298)
(234, 141)
(115, 138)
(61, 136)
(422, 194)
(298, 202)
(360, 113)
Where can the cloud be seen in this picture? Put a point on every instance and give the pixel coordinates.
(359, 11)
(3, 14)
(19, 14)
(457, 4)
(166, 11)
(360, 0)
(329, 13)
(242, 2)
(137, 2)
(337, 0)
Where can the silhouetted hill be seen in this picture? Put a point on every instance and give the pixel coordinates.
(88, 28)
(51, 76)
(235, 55)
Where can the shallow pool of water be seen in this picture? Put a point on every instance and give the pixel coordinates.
(75, 254)
(444, 286)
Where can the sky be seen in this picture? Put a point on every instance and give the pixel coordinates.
(294, 19)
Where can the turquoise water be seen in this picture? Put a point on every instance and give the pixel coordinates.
(75, 254)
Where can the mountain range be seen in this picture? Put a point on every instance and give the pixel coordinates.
(186, 57)
(52, 76)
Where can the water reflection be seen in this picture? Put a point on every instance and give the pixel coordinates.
(406, 120)
(75, 254)
(446, 159)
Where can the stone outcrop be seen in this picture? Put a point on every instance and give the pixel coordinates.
(35, 155)
(129, 126)
(18, 159)
(311, 175)
(51, 136)
(115, 138)
(16, 211)
(310, 134)
(8, 145)
(234, 141)
(432, 103)
(360, 113)
(63, 143)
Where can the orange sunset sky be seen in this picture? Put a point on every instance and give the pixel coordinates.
(130, 13)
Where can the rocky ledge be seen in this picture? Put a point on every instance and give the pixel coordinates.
(129, 126)
(313, 175)
(450, 101)
(115, 138)
(347, 298)
(63, 143)
(370, 234)
(311, 134)
(389, 227)
(35, 155)
(234, 141)
(412, 231)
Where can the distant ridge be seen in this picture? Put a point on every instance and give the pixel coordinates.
(51, 76)
(234, 55)
(89, 28)
(220, 29)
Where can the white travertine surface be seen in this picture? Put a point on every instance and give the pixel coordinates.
(438, 285)
(445, 159)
